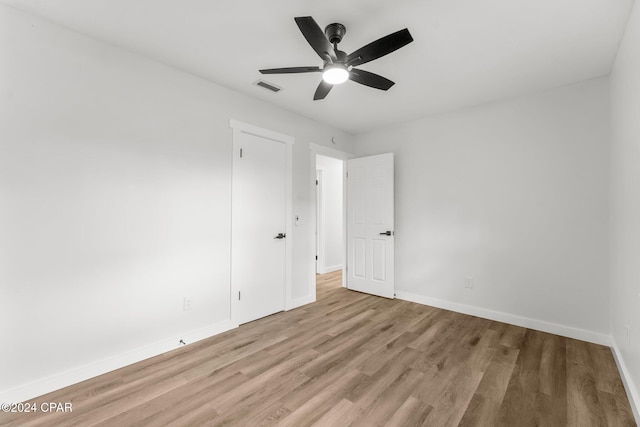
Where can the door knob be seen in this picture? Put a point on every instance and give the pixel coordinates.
(387, 233)
(280, 236)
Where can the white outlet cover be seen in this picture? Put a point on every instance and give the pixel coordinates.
(186, 304)
(628, 334)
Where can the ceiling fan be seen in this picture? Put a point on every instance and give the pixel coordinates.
(337, 66)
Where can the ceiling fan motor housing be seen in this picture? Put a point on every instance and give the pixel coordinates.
(335, 32)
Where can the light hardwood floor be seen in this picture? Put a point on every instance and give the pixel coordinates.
(353, 359)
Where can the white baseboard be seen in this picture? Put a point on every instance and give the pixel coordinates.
(330, 269)
(540, 325)
(91, 370)
(632, 390)
(299, 302)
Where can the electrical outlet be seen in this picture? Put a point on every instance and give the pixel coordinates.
(469, 283)
(628, 334)
(186, 304)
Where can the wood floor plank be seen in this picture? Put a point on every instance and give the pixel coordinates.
(607, 377)
(299, 396)
(483, 407)
(316, 407)
(413, 412)
(335, 416)
(617, 414)
(388, 353)
(171, 407)
(552, 399)
(352, 359)
(390, 399)
(583, 407)
(480, 412)
(368, 390)
(130, 401)
(508, 335)
(442, 367)
(518, 404)
(252, 386)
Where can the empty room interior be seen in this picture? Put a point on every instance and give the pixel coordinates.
(337, 213)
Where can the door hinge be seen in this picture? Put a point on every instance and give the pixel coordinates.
(316, 257)
(238, 295)
(316, 182)
(241, 153)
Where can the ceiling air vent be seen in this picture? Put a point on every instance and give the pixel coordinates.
(267, 85)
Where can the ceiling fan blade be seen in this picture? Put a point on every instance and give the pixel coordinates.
(291, 70)
(316, 38)
(370, 79)
(322, 91)
(380, 47)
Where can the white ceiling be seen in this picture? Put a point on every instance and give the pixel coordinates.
(465, 52)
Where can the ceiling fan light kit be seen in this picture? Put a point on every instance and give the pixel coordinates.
(335, 74)
(338, 67)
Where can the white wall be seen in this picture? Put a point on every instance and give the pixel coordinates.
(625, 205)
(514, 195)
(115, 176)
(331, 224)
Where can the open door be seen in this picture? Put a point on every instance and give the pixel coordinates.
(370, 225)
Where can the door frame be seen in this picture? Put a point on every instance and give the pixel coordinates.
(239, 128)
(319, 202)
(323, 150)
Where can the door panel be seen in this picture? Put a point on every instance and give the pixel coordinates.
(379, 260)
(258, 258)
(370, 214)
(359, 258)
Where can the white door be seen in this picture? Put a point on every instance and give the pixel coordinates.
(258, 242)
(370, 225)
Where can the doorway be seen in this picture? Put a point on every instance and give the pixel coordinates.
(331, 154)
(368, 258)
(329, 215)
